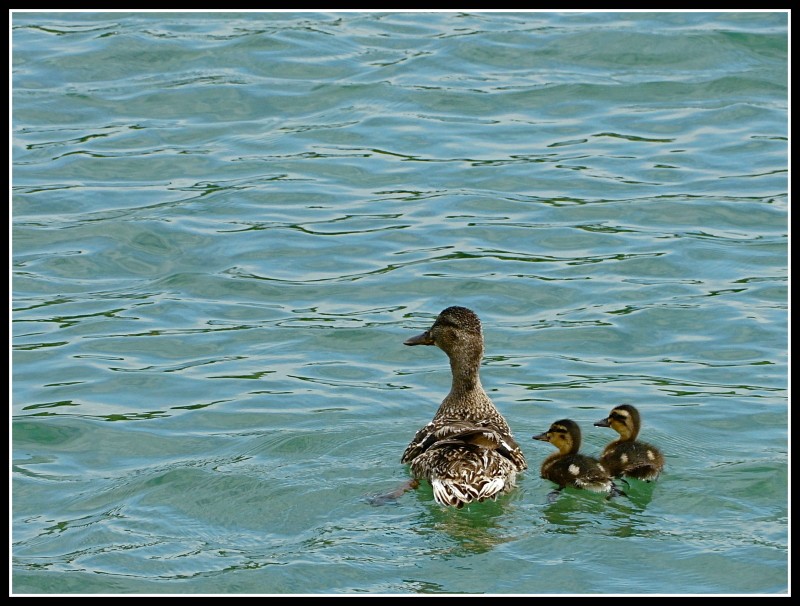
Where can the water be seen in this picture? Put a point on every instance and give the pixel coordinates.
(225, 225)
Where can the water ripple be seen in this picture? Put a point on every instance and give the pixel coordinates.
(224, 226)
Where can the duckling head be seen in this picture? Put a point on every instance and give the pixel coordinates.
(625, 420)
(564, 435)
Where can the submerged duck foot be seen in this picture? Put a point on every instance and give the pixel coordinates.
(390, 497)
(616, 492)
(553, 495)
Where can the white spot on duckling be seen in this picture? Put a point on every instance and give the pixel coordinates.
(575, 470)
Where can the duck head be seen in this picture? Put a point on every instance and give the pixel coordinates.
(457, 332)
(453, 325)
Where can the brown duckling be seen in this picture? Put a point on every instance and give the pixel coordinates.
(467, 451)
(569, 468)
(628, 457)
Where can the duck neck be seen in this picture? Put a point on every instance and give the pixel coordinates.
(466, 374)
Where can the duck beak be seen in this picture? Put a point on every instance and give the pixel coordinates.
(602, 423)
(542, 437)
(423, 339)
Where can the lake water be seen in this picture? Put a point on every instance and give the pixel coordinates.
(224, 226)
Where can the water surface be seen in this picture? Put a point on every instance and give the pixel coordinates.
(224, 225)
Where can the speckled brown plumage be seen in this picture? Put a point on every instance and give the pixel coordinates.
(467, 451)
(628, 457)
(568, 467)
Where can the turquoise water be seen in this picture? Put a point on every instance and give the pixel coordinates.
(224, 226)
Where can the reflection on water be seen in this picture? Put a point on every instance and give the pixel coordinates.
(575, 509)
(479, 529)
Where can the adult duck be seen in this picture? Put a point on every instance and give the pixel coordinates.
(466, 452)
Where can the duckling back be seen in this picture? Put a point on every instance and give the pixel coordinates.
(633, 459)
(577, 471)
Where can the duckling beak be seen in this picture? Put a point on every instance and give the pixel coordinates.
(423, 339)
(602, 423)
(542, 437)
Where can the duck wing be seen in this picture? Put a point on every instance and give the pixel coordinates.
(464, 470)
(438, 429)
(464, 461)
(491, 439)
(448, 432)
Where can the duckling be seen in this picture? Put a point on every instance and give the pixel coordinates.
(569, 468)
(467, 452)
(627, 457)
